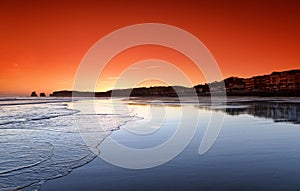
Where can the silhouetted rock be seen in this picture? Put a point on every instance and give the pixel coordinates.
(33, 94)
(42, 94)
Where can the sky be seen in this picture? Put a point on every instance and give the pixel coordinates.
(43, 42)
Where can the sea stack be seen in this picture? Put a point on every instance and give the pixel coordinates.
(33, 94)
(42, 94)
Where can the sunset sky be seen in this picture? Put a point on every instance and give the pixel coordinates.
(43, 42)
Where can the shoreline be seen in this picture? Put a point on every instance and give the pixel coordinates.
(91, 175)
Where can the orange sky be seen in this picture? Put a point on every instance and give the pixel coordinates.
(43, 42)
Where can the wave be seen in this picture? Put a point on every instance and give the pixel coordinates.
(30, 165)
(12, 102)
(32, 157)
(37, 118)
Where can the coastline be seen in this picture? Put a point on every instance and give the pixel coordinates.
(100, 175)
(285, 83)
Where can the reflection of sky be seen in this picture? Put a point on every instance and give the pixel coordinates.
(158, 123)
(250, 153)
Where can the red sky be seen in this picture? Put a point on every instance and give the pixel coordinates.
(43, 42)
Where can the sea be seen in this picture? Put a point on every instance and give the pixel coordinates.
(242, 143)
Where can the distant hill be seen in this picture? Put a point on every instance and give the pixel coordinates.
(162, 91)
(285, 83)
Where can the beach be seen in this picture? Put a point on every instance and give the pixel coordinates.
(256, 148)
(251, 153)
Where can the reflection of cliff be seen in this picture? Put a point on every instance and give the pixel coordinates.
(277, 111)
(280, 112)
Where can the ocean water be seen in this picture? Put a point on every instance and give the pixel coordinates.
(257, 147)
(39, 139)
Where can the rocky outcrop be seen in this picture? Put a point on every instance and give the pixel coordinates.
(42, 94)
(33, 94)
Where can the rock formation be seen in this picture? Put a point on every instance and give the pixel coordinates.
(33, 94)
(42, 94)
